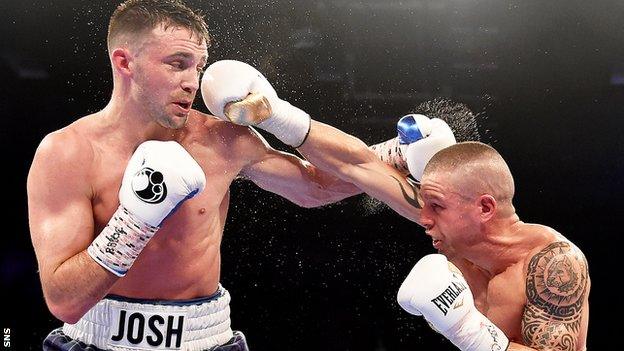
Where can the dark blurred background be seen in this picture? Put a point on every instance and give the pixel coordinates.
(547, 78)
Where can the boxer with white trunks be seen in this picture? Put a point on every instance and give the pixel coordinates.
(127, 205)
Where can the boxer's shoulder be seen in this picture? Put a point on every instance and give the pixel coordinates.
(546, 241)
(556, 288)
(558, 251)
(68, 145)
(62, 158)
(213, 128)
(558, 264)
(240, 141)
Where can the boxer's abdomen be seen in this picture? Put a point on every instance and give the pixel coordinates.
(181, 262)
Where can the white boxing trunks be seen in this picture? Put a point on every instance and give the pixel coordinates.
(119, 323)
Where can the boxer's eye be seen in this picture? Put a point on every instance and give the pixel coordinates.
(177, 64)
(436, 207)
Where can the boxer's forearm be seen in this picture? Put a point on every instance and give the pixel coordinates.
(349, 159)
(333, 150)
(75, 286)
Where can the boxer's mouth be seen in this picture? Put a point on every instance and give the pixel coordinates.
(184, 104)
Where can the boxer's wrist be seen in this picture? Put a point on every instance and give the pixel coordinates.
(288, 123)
(392, 152)
(475, 332)
(237, 92)
(410, 129)
(121, 241)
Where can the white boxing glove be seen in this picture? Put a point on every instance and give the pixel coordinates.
(158, 178)
(437, 135)
(419, 138)
(436, 290)
(237, 92)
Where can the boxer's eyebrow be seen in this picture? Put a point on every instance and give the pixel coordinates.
(181, 54)
(186, 56)
(431, 197)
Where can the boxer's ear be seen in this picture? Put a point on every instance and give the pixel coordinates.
(121, 60)
(487, 207)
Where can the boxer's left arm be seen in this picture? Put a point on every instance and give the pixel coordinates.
(237, 92)
(340, 165)
(350, 159)
(557, 289)
(291, 177)
(437, 290)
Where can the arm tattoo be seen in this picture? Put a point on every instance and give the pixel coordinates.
(556, 286)
(410, 200)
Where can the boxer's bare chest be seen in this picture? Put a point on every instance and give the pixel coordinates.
(204, 214)
(502, 299)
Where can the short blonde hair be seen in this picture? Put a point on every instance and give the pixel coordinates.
(475, 167)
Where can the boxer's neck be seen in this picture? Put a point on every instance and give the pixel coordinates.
(130, 124)
(501, 248)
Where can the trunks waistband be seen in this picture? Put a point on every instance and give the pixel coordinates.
(121, 323)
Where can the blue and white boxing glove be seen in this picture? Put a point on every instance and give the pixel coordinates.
(419, 138)
(435, 135)
(436, 290)
(235, 91)
(159, 177)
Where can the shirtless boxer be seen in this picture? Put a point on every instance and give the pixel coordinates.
(123, 259)
(524, 285)
(497, 283)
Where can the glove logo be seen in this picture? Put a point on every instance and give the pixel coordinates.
(459, 304)
(149, 185)
(445, 300)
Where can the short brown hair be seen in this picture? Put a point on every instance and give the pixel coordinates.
(137, 16)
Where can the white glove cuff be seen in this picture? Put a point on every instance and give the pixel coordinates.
(120, 242)
(392, 152)
(288, 123)
(475, 332)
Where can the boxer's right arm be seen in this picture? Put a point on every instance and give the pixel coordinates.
(158, 177)
(61, 225)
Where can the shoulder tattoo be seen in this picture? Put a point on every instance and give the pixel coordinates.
(556, 286)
